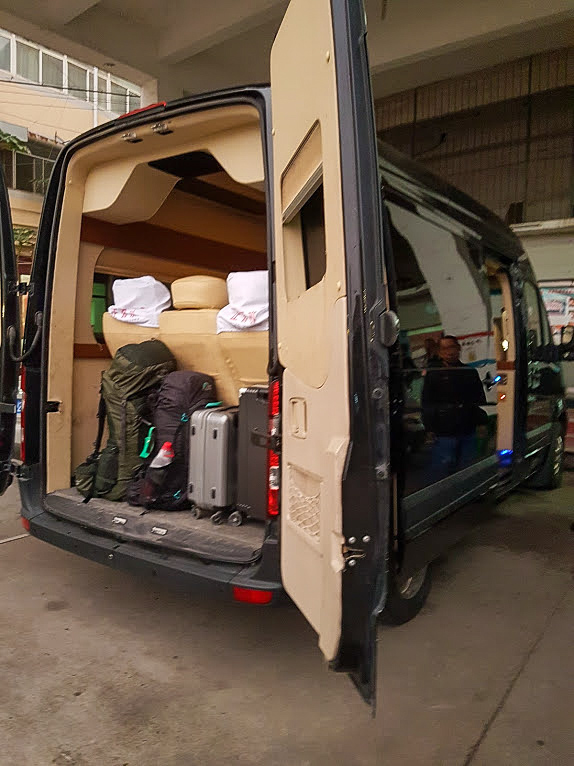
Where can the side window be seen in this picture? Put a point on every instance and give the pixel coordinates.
(445, 312)
(99, 305)
(313, 234)
(537, 332)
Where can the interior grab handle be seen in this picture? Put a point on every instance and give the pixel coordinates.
(13, 336)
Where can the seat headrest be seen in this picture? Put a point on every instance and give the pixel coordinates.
(199, 292)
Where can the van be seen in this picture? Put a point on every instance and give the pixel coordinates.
(411, 375)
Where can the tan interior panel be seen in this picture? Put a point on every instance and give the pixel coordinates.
(199, 252)
(192, 215)
(118, 333)
(303, 174)
(255, 191)
(506, 367)
(311, 316)
(173, 253)
(121, 192)
(247, 357)
(88, 257)
(239, 152)
(235, 360)
(86, 392)
(126, 263)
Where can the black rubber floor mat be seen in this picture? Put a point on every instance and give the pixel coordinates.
(178, 530)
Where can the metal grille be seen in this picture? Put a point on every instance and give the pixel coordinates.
(505, 136)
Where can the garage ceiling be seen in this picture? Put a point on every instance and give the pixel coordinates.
(194, 45)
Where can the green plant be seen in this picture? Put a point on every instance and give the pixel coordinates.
(10, 143)
(24, 238)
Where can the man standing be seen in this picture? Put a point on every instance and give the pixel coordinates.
(451, 408)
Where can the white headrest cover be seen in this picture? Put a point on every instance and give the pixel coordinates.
(248, 307)
(139, 301)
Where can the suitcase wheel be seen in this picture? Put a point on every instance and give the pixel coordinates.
(218, 517)
(198, 513)
(235, 519)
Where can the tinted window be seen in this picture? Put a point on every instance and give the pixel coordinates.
(444, 306)
(313, 234)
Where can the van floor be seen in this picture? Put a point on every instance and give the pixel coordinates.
(176, 530)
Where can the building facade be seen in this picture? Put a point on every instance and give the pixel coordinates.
(46, 99)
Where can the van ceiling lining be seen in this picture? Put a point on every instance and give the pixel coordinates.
(195, 168)
(213, 193)
(188, 165)
(153, 240)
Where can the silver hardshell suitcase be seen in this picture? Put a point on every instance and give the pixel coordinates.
(213, 459)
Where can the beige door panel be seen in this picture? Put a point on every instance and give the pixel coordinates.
(311, 314)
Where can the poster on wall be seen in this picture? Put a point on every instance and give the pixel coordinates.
(559, 301)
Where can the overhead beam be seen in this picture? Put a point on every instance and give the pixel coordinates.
(61, 12)
(192, 30)
(77, 39)
(417, 30)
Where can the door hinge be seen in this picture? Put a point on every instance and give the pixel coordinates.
(16, 468)
(21, 288)
(53, 406)
(352, 555)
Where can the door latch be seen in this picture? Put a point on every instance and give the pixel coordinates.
(21, 288)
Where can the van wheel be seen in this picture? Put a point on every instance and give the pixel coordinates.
(549, 476)
(407, 596)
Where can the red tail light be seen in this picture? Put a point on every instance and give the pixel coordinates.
(23, 416)
(251, 596)
(273, 467)
(25, 523)
(143, 109)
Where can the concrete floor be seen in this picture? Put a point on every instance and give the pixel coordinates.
(100, 669)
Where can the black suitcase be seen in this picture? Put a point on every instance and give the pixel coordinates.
(252, 455)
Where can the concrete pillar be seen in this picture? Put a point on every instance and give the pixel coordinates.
(150, 92)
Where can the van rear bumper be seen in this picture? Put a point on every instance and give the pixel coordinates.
(176, 571)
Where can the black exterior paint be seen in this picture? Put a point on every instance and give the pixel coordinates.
(365, 491)
(10, 317)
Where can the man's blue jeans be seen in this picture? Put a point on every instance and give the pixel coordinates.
(452, 453)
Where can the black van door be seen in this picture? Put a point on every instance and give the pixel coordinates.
(9, 349)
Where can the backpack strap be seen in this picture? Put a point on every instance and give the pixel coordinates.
(101, 425)
(98, 443)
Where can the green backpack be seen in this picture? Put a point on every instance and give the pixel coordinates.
(135, 372)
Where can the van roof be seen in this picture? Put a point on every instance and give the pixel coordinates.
(403, 174)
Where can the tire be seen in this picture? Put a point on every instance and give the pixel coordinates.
(406, 597)
(549, 475)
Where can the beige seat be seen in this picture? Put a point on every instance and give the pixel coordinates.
(234, 359)
(246, 355)
(118, 334)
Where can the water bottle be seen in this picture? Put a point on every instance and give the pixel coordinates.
(156, 474)
(164, 457)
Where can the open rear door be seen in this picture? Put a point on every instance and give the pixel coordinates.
(334, 493)
(10, 318)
